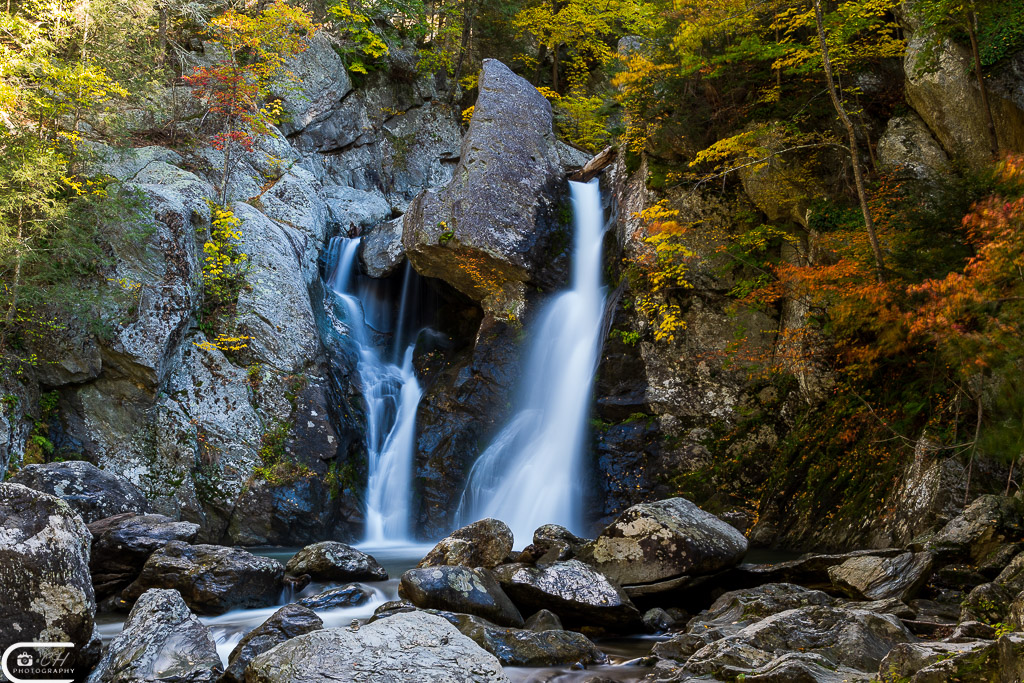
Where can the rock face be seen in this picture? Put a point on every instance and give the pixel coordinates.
(460, 589)
(211, 579)
(486, 232)
(332, 561)
(44, 574)
(92, 492)
(654, 542)
(907, 143)
(572, 590)
(869, 577)
(408, 647)
(485, 543)
(735, 610)
(970, 661)
(288, 622)
(121, 545)
(948, 100)
(161, 641)
(382, 250)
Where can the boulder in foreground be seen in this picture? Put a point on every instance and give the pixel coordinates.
(411, 647)
(485, 543)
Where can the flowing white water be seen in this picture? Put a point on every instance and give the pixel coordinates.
(391, 393)
(532, 472)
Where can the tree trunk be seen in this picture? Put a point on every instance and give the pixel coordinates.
(990, 123)
(467, 27)
(851, 131)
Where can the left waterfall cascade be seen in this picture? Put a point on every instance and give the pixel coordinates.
(384, 342)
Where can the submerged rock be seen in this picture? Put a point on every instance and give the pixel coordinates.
(654, 542)
(351, 595)
(460, 589)
(574, 591)
(869, 577)
(333, 561)
(92, 492)
(161, 641)
(121, 545)
(211, 579)
(288, 622)
(406, 647)
(485, 543)
(45, 589)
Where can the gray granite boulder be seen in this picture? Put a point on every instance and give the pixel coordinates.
(459, 589)
(869, 577)
(333, 561)
(288, 622)
(412, 647)
(45, 589)
(161, 641)
(90, 491)
(485, 543)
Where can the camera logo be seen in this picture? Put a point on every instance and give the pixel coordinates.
(50, 661)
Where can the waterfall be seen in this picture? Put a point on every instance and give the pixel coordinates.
(532, 473)
(389, 387)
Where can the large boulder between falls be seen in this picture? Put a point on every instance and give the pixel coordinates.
(485, 543)
(161, 641)
(459, 589)
(409, 647)
(92, 492)
(121, 545)
(653, 542)
(45, 590)
(212, 579)
(575, 592)
(288, 622)
(334, 561)
(487, 231)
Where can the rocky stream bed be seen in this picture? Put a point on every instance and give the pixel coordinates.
(666, 592)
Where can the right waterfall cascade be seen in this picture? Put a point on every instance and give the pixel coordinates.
(533, 473)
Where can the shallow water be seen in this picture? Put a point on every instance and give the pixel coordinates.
(229, 628)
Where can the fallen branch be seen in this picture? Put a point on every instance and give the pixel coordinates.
(593, 168)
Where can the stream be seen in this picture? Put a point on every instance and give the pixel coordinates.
(229, 628)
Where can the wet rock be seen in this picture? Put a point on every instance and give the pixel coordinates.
(390, 648)
(333, 561)
(211, 579)
(552, 543)
(485, 543)
(121, 545)
(843, 637)
(288, 622)
(735, 610)
(657, 620)
(161, 641)
(459, 589)
(46, 591)
(939, 662)
(875, 578)
(653, 542)
(805, 668)
(971, 630)
(351, 595)
(544, 620)
(1011, 657)
(680, 646)
(574, 591)
(497, 212)
(1015, 615)
(92, 492)
(381, 248)
(518, 647)
(980, 529)
(892, 606)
